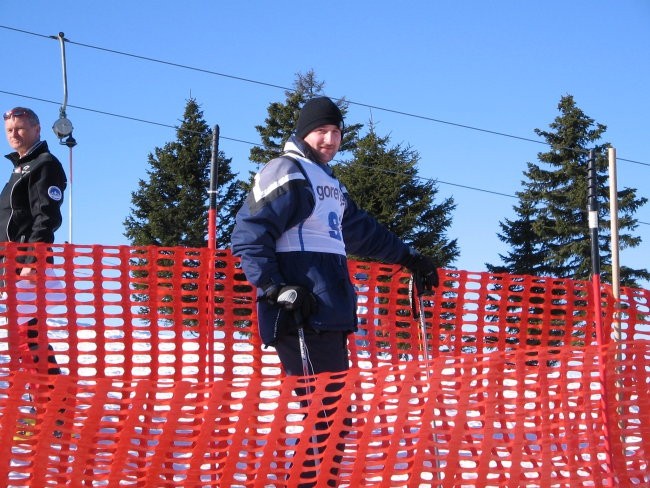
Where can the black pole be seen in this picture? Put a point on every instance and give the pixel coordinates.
(592, 208)
(214, 168)
(212, 192)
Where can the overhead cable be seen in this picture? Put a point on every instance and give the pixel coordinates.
(284, 88)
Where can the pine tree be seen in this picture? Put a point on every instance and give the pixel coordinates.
(170, 209)
(384, 181)
(527, 257)
(282, 118)
(552, 235)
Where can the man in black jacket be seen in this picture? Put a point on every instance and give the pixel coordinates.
(30, 202)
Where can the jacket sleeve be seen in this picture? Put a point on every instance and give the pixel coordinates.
(280, 198)
(46, 186)
(365, 236)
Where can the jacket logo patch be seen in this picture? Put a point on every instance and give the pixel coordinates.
(55, 193)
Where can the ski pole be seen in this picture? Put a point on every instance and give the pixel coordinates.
(304, 356)
(423, 326)
(423, 331)
(425, 349)
(288, 301)
(302, 343)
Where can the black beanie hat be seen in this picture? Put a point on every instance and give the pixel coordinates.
(316, 112)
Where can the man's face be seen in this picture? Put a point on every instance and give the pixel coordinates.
(21, 134)
(324, 142)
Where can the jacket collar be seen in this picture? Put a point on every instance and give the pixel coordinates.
(297, 146)
(36, 150)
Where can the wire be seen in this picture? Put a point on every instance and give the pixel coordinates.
(272, 85)
(135, 119)
(160, 124)
(248, 80)
(434, 180)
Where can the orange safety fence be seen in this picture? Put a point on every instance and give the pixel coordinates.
(165, 382)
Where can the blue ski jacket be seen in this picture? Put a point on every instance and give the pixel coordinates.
(283, 198)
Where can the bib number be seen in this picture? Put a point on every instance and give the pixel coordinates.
(335, 227)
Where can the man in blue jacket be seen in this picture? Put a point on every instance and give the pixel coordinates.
(293, 234)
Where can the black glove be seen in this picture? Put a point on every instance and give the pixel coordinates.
(292, 298)
(271, 293)
(298, 300)
(425, 272)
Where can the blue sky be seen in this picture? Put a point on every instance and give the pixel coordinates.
(499, 66)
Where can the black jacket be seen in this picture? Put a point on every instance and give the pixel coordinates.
(30, 202)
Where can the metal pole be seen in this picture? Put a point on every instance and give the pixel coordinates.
(613, 212)
(65, 74)
(62, 114)
(70, 142)
(63, 128)
(616, 291)
(70, 187)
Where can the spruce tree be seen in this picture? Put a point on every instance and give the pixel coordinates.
(282, 117)
(384, 181)
(170, 209)
(552, 236)
(527, 256)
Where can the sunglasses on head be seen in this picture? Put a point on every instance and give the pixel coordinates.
(14, 113)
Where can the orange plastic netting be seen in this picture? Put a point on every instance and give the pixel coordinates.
(166, 384)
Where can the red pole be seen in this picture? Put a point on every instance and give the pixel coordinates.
(214, 175)
(212, 246)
